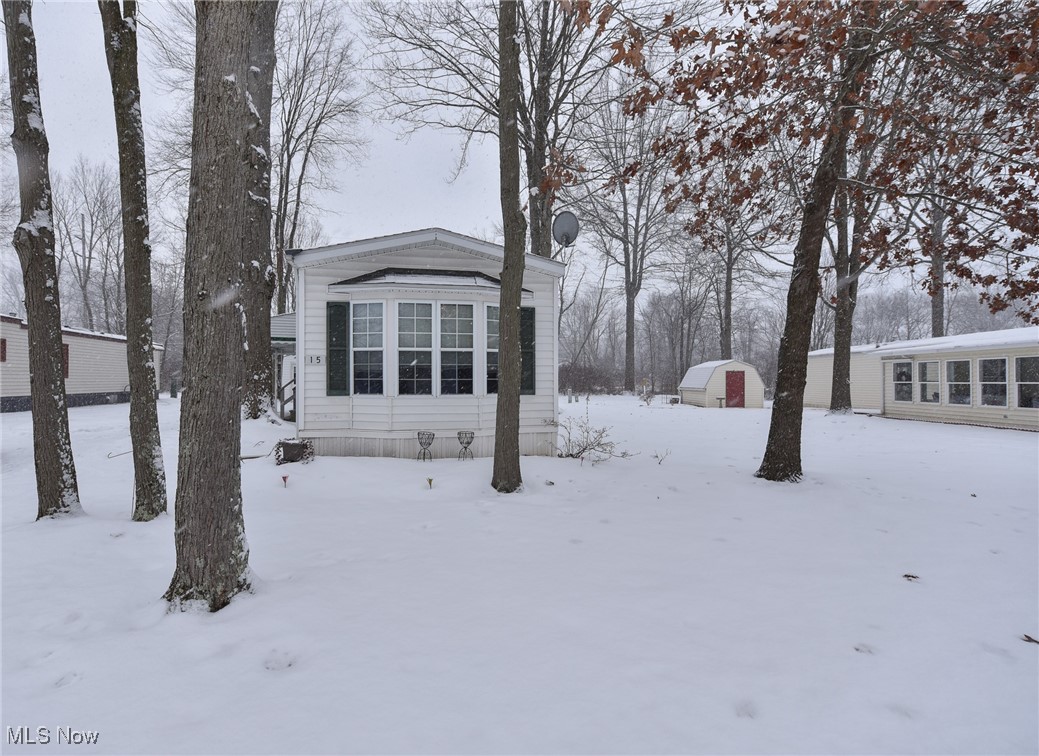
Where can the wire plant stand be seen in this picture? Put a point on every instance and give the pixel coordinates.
(465, 438)
(425, 438)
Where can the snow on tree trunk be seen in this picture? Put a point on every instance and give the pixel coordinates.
(56, 485)
(212, 553)
(120, 31)
(506, 476)
(257, 378)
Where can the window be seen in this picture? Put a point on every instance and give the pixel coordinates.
(957, 375)
(456, 349)
(927, 377)
(1027, 369)
(338, 353)
(492, 350)
(903, 374)
(367, 348)
(3, 350)
(415, 348)
(528, 376)
(993, 378)
(65, 360)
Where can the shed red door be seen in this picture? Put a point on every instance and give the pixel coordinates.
(734, 388)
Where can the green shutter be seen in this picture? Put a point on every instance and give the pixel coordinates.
(528, 374)
(338, 357)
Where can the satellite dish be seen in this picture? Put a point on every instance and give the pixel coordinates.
(565, 228)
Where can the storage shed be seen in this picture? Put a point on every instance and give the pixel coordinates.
(723, 383)
(95, 366)
(399, 334)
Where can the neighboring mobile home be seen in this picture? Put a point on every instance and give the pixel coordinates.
(399, 334)
(95, 366)
(723, 383)
(989, 378)
(980, 379)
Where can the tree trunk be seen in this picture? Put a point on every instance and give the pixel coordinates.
(937, 283)
(258, 377)
(541, 197)
(782, 460)
(56, 486)
(840, 386)
(629, 339)
(120, 30)
(212, 553)
(726, 329)
(506, 477)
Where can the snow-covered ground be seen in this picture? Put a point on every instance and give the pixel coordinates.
(665, 603)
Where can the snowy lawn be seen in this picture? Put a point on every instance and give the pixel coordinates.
(657, 604)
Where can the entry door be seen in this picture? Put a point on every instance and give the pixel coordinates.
(734, 388)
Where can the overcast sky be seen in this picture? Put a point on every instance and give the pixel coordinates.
(401, 186)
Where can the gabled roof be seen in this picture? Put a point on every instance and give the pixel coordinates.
(427, 238)
(1010, 337)
(697, 376)
(390, 279)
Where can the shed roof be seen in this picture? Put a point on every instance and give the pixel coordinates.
(697, 376)
(283, 327)
(1010, 337)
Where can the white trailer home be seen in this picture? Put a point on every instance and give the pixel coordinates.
(723, 383)
(989, 378)
(399, 334)
(977, 379)
(95, 366)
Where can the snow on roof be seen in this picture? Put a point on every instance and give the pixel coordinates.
(697, 376)
(84, 332)
(1010, 337)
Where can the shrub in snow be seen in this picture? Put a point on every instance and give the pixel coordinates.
(578, 439)
(293, 450)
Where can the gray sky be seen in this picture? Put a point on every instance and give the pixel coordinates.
(401, 186)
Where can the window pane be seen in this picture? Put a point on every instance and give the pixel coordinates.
(928, 371)
(994, 394)
(903, 392)
(338, 325)
(416, 372)
(492, 328)
(492, 372)
(368, 372)
(959, 393)
(929, 393)
(958, 371)
(1027, 370)
(903, 372)
(424, 311)
(456, 373)
(406, 310)
(1028, 395)
(993, 371)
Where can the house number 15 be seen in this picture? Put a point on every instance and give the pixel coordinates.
(315, 359)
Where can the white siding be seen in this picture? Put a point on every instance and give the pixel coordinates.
(14, 372)
(386, 425)
(865, 380)
(1011, 416)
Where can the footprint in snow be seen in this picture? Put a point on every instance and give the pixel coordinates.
(746, 709)
(277, 661)
(864, 648)
(66, 680)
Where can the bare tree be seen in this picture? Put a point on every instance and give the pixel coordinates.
(212, 553)
(120, 32)
(56, 485)
(506, 476)
(626, 212)
(441, 66)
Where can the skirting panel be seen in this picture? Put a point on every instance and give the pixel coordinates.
(444, 446)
